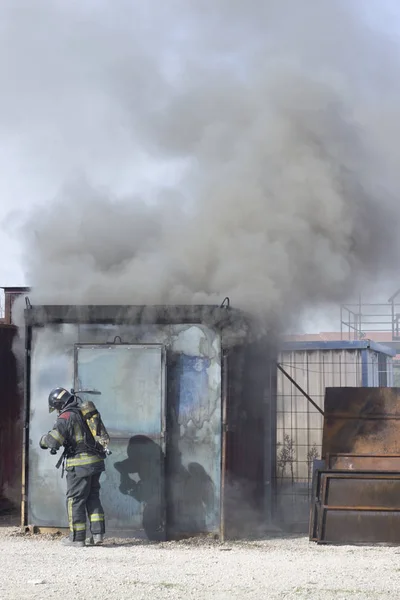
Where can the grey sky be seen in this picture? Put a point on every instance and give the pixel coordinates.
(81, 81)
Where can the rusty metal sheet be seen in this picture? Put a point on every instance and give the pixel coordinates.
(11, 400)
(362, 421)
(363, 462)
(11, 294)
(373, 528)
(357, 497)
(358, 508)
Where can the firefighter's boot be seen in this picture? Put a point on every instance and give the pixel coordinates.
(72, 544)
(95, 540)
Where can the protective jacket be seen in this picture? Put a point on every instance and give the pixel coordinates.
(83, 454)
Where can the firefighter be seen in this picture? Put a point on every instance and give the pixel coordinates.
(84, 462)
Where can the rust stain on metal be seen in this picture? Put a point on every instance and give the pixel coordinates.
(10, 296)
(10, 422)
(360, 462)
(52, 530)
(362, 421)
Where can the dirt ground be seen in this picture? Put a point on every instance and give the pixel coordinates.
(36, 567)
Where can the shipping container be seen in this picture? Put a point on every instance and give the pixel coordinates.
(188, 397)
(315, 366)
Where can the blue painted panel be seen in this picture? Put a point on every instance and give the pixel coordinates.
(193, 395)
(195, 433)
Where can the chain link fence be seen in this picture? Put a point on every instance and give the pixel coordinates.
(299, 425)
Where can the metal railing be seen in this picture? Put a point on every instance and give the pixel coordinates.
(358, 318)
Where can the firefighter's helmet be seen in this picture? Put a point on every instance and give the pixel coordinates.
(58, 398)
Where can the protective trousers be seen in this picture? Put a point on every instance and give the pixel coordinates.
(83, 496)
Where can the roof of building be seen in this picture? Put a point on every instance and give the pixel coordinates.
(319, 344)
(326, 336)
(15, 289)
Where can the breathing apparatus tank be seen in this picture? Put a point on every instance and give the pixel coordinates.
(95, 423)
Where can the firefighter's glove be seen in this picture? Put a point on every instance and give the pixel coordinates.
(42, 443)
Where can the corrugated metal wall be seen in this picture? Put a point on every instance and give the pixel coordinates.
(377, 369)
(299, 424)
(10, 422)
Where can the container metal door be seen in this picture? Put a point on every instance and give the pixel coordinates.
(131, 379)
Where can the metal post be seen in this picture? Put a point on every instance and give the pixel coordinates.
(25, 438)
(393, 324)
(224, 418)
(270, 425)
(341, 321)
(296, 385)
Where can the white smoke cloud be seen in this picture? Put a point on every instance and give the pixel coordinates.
(273, 125)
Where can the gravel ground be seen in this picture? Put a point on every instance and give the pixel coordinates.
(38, 568)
